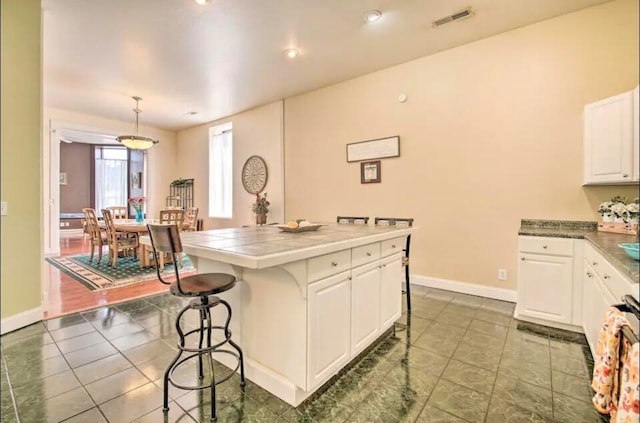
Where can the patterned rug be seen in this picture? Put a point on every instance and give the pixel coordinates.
(102, 276)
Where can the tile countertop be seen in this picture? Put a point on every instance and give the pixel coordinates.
(604, 242)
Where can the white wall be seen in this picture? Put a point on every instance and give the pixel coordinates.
(255, 132)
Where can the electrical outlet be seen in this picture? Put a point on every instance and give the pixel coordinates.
(502, 274)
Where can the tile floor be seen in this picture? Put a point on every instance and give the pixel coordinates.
(455, 358)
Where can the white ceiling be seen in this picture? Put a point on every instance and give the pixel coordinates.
(226, 56)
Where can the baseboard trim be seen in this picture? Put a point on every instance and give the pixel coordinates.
(70, 232)
(548, 323)
(20, 320)
(503, 294)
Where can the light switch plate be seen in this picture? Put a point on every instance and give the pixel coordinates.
(3, 208)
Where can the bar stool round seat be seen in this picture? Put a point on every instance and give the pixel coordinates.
(202, 288)
(203, 285)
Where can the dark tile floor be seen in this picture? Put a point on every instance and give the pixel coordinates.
(455, 358)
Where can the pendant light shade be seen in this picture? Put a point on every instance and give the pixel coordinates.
(136, 142)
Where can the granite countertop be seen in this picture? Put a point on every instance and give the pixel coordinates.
(604, 242)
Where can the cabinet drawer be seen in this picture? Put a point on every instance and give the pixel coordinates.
(329, 264)
(365, 254)
(542, 245)
(392, 246)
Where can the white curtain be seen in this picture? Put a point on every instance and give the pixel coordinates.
(221, 175)
(111, 183)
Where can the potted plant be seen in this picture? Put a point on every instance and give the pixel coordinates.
(605, 211)
(261, 207)
(633, 210)
(138, 205)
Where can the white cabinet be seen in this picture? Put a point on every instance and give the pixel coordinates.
(545, 285)
(549, 281)
(609, 141)
(329, 322)
(595, 302)
(365, 314)
(392, 278)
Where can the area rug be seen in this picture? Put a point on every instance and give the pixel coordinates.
(102, 276)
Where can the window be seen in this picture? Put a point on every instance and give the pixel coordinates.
(221, 172)
(111, 177)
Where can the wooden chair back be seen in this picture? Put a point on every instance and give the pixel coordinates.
(358, 220)
(190, 219)
(165, 239)
(93, 228)
(172, 216)
(119, 212)
(112, 234)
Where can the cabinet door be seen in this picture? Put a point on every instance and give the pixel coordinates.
(365, 306)
(329, 331)
(545, 285)
(391, 282)
(596, 301)
(608, 133)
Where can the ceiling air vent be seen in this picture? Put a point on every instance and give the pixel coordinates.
(462, 14)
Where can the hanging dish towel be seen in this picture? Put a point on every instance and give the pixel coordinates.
(607, 363)
(629, 405)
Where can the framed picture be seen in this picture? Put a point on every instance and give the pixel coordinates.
(370, 172)
(63, 178)
(136, 180)
(373, 149)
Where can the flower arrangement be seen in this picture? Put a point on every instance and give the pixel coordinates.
(620, 210)
(261, 205)
(137, 203)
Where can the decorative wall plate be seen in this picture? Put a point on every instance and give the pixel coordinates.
(254, 174)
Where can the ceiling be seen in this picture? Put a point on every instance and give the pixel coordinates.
(227, 56)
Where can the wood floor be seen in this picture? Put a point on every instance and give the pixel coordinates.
(65, 295)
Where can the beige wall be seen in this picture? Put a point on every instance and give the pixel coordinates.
(255, 132)
(21, 183)
(161, 158)
(491, 133)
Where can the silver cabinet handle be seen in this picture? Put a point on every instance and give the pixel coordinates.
(607, 277)
(544, 246)
(349, 278)
(589, 274)
(369, 254)
(522, 258)
(384, 265)
(594, 263)
(624, 175)
(380, 266)
(393, 245)
(334, 264)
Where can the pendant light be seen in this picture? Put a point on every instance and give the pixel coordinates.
(136, 142)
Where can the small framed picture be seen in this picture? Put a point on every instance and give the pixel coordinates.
(63, 178)
(136, 180)
(370, 172)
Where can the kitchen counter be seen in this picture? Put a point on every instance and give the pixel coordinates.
(305, 304)
(604, 242)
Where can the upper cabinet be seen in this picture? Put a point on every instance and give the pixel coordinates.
(611, 140)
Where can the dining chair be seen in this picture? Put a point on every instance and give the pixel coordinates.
(400, 222)
(190, 222)
(96, 235)
(117, 241)
(118, 212)
(358, 220)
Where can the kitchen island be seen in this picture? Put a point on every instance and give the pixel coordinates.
(305, 303)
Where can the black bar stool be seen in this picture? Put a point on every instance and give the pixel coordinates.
(202, 288)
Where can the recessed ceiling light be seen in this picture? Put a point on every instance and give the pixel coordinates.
(291, 53)
(201, 1)
(372, 16)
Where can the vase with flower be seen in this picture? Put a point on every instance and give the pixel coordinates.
(138, 205)
(261, 207)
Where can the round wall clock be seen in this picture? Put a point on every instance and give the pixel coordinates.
(254, 174)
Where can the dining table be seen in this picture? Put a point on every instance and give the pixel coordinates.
(131, 226)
